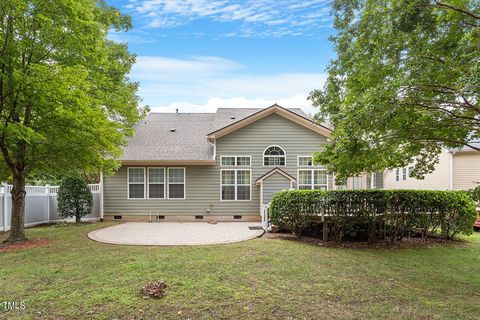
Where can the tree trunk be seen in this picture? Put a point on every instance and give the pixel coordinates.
(17, 225)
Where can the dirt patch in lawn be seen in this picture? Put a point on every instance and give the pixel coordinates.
(406, 243)
(7, 247)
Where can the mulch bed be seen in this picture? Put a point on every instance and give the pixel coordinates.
(34, 243)
(405, 243)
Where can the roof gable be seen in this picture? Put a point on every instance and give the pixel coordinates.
(274, 109)
(273, 171)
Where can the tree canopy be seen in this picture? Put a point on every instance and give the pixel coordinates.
(66, 102)
(405, 83)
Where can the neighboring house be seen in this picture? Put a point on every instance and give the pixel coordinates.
(455, 170)
(214, 166)
(363, 181)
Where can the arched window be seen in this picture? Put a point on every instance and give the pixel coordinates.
(274, 156)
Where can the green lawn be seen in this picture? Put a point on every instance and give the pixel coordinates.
(76, 278)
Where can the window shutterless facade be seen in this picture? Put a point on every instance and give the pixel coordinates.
(357, 183)
(156, 183)
(176, 183)
(304, 161)
(136, 183)
(274, 156)
(312, 179)
(235, 161)
(235, 184)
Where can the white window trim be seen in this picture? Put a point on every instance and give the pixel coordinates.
(307, 166)
(184, 183)
(236, 184)
(312, 185)
(397, 175)
(164, 183)
(277, 156)
(235, 156)
(404, 173)
(144, 183)
(353, 182)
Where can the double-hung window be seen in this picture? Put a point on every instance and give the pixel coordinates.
(136, 183)
(235, 184)
(397, 174)
(312, 179)
(176, 183)
(156, 183)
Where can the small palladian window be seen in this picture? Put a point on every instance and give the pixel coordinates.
(274, 156)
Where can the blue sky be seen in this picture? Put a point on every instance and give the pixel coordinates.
(197, 55)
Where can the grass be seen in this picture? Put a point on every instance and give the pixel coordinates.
(76, 278)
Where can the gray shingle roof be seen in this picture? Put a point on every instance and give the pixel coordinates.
(153, 139)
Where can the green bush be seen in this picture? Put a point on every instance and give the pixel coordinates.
(74, 199)
(391, 214)
(295, 210)
(475, 194)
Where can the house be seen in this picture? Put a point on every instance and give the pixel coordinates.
(456, 170)
(362, 181)
(221, 166)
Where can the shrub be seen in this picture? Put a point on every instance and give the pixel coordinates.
(380, 213)
(74, 199)
(475, 194)
(295, 210)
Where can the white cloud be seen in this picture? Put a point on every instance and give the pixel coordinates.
(166, 80)
(170, 69)
(265, 16)
(211, 105)
(168, 83)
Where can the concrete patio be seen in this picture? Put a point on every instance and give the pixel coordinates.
(177, 233)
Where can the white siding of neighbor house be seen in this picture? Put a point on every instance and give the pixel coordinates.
(203, 182)
(466, 170)
(437, 180)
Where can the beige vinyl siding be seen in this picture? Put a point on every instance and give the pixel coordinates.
(203, 182)
(466, 170)
(437, 180)
(273, 184)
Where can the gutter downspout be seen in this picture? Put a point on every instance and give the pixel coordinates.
(450, 170)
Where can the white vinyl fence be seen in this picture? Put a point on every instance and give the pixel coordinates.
(41, 205)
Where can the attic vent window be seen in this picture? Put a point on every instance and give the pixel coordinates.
(233, 117)
(173, 130)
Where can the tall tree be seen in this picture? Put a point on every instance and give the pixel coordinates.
(66, 103)
(404, 85)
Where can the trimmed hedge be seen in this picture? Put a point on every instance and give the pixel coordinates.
(391, 214)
